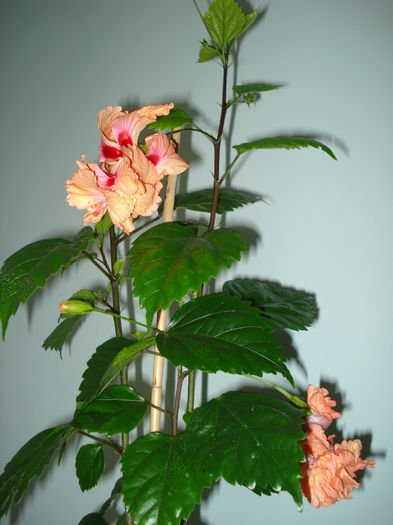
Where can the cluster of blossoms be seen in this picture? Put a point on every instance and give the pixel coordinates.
(128, 181)
(329, 470)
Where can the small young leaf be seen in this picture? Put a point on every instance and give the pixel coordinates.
(218, 332)
(283, 143)
(104, 224)
(229, 199)
(98, 365)
(29, 463)
(93, 519)
(207, 52)
(257, 87)
(283, 306)
(119, 265)
(248, 438)
(30, 268)
(169, 260)
(225, 21)
(117, 409)
(162, 464)
(89, 465)
(176, 119)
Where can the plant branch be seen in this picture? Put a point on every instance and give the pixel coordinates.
(119, 333)
(214, 204)
(106, 441)
(92, 259)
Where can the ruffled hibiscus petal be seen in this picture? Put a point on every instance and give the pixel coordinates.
(83, 193)
(162, 153)
(120, 211)
(146, 171)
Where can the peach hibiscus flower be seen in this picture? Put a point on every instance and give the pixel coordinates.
(330, 469)
(128, 182)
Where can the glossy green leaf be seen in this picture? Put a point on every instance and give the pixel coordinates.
(64, 331)
(251, 439)
(126, 356)
(93, 519)
(169, 260)
(160, 484)
(30, 268)
(284, 143)
(117, 409)
(29, 463)
(89, 465)
(98, 366)
(229, 199)
(225, 21)
(283, 306)
(176, 119)
(207, 53)
(104, 224)
(256, 87)
(219, 332)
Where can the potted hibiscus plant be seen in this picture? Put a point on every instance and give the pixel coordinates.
(265, 441)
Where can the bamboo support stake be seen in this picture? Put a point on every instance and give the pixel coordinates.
(158, 364)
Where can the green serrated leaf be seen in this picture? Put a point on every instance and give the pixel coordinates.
(256, 87)
(29, 463)
(283, 142)
(229, 199)
(207, 53)
(117, 409)
(283, 306)
(30, 268)
(93, 519)
(162, 464)
(218, 332)
(176, 119)
(98, 365)
(225, 21)
(104, 224)
(169, 260)
(62, 333)
(89, 465)
(126, 356)
(251, 439)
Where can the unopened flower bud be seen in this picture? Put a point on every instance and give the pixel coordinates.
(74, 307)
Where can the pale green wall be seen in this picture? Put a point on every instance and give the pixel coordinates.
(328, 228)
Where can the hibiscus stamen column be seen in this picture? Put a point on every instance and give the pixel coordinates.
(158, 364)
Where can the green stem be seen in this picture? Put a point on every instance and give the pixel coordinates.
(229, 168)
(115, 315)
(291, 397)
